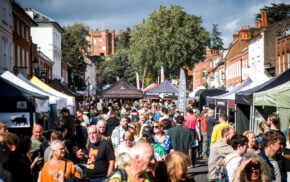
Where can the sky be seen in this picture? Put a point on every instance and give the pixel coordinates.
(230, 15)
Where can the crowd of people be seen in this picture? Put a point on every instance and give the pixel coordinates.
(142, 140)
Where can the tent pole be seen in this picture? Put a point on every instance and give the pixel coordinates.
(251, 113)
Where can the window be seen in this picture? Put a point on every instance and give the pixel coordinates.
(288, 60)
(5, 53)
(18, 56)
(5, 12)
(204, 74)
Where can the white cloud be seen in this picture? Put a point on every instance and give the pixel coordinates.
(232, 25)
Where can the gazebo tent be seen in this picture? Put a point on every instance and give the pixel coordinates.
(244, 101)
(122, 90)
(11, 93)
(41, 105)
(278, 99)
(17, 106)
(195, 94)
(226, 100)
(70, 101)
(208, 92)
(55, 83)
(164, 90)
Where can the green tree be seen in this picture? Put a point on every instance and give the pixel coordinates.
(118, 66)
(74, 47)
(124, 42)
(275, 12)
(169, 37)
(216, 42)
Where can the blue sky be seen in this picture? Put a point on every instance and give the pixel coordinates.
(120, 14)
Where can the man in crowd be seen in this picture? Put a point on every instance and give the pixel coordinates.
(217, 130)
(118, 132)
(204, 134)
(69, 124)
(210, 122)
(112, 123)
(37, 139)
(180, 136)
(13, 159)
(219, 151)
(100, 159)
(273, 142)
(142, 161)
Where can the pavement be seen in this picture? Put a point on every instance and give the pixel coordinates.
(199, 173)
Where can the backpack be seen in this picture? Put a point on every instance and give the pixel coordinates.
(118, 173)
(221, 171)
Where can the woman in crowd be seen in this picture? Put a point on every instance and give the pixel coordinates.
(252, 145)
(174, 169)
(58, 168)
(135, 129)
(125, 146)
(167, 124)
(161, 138)
(253, 168)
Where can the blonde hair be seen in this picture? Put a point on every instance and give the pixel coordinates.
(137, 128)
(263, 127)
(174, 160)
(3, 124)
(122, 160)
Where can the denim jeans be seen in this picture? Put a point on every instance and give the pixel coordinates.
(208, 145)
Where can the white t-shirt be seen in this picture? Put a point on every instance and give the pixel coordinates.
(232, 163)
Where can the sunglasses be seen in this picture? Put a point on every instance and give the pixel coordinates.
(252, 165)
(156, 126)
(132, 127)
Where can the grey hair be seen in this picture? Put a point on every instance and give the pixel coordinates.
(55, 144)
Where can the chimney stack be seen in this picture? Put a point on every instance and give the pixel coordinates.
(264, 19)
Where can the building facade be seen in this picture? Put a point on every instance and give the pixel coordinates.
(23, 58)
(236, 61)
(47, 35)
(283, 50)
(208, 72)
(103, 42)
(6, 43)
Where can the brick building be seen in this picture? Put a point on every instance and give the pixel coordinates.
(103, 42)
(283, 50)
(22, 40)
(236, 61)
(204, 72)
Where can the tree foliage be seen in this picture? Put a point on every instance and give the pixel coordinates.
(275, 12)
(118, 65)
(169, 37)
(216, 43)
(74, 47)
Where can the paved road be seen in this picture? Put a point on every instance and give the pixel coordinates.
(200, 171)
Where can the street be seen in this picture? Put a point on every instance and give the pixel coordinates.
(200, 172)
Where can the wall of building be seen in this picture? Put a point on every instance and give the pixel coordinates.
(6, 44)
(283, 52)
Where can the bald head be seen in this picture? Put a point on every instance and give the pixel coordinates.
(143, 157)
(37, 132)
